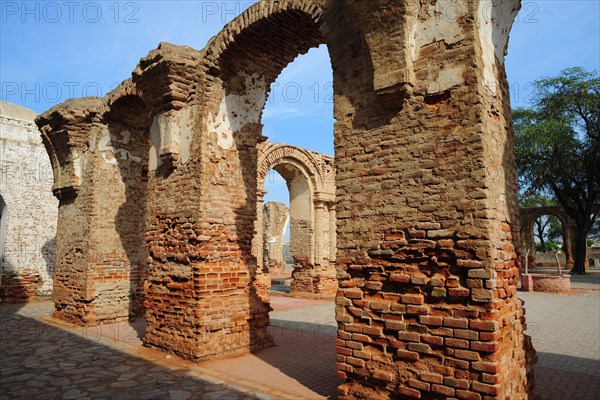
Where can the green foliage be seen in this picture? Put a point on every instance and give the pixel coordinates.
(550, 245)
(534, 198)
(555, 231)
(557, 145)
(557, 141)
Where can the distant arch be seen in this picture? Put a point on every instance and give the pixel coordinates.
(528, 218)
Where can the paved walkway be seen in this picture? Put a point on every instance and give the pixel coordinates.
(43, 359)
(565, 331)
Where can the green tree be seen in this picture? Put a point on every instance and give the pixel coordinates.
(557, 148)
(555, 230)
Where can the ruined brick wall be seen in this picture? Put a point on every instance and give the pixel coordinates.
(101, 153)
(275, 217)
(29, 211)
(203, 298)
(425, 199)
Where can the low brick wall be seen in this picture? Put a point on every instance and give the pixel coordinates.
(548, 283)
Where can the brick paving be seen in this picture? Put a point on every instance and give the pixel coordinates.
(43, 359)
(565, 331)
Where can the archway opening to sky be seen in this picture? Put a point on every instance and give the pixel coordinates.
(298, 112)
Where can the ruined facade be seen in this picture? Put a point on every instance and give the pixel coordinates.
(311, 182)
(28, 209)
(569, 231)
(426, 205)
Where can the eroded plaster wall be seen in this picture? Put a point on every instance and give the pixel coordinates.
(29, 212)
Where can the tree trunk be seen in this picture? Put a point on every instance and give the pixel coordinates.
(580, 251)
(540, 235)
(543, 244)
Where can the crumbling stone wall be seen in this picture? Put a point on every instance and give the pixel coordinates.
(275, 218)
(28, 209)
(426, 205)
(569, 230)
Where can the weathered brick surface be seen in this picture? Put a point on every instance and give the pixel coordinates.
(28, 209)
(425, 202)
(433, 160)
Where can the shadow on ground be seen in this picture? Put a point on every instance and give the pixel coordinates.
(557, 377)
(305, 352)
(40, 361)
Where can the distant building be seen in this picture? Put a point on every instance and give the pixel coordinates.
(27, 207)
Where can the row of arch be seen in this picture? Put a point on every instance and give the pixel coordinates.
(412, 135)
(311, 184)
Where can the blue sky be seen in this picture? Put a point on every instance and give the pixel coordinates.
(53, 50)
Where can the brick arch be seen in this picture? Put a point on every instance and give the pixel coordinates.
(278, 153)
(239, 65)
(530, 215)
(528, 218)
(264, 17)
(125, 89)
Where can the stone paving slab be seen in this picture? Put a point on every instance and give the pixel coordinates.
(565, 331)
(589, 281)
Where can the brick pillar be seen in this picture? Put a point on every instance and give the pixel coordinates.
(65, 130)
(325, 276)
(426, 204)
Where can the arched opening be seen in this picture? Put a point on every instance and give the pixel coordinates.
(242, 65)
(548, 240)
(301, 229)
(299, 112)
(546, 231)
(298, 178)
